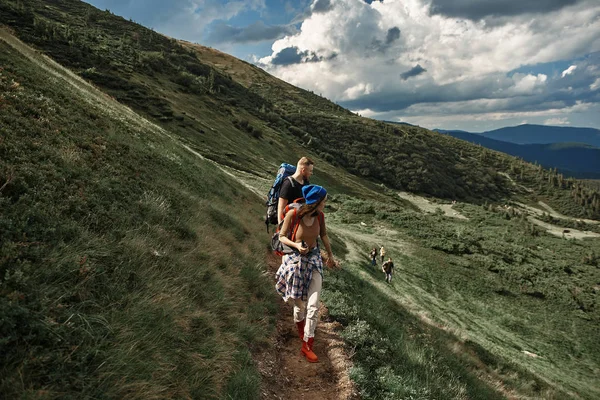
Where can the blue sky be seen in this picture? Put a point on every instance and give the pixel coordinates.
(474, 65)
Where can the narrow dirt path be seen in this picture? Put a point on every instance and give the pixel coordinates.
(285, 372)
(556, 230)
(569, 233)
(556, 214)
(515, 184)
(550, 211)
(425, 205)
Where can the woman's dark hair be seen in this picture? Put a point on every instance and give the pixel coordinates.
(309, 208)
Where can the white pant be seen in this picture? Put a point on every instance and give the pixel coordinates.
(310, 308)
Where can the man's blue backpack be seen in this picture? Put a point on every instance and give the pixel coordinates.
(285, 170)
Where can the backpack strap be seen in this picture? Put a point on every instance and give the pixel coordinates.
(291, 181)
(296, 225)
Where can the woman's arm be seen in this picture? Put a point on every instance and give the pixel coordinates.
(325, 240)
(287, 225)
(330, 261)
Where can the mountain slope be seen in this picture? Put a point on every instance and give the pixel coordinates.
(102, 230)
(572, 159)
(132, 267)
(528, 134)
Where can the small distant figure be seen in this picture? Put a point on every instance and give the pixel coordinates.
(382, 253)
(373, 255)
(388, 269)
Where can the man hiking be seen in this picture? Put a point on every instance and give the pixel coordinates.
(388, 269)
(373, 255)
(291, 188)
(382, 253)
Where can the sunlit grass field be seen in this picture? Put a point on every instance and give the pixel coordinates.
(488, 303)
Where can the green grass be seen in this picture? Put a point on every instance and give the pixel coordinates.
(394, 354)
(128, 268)
(487, 292)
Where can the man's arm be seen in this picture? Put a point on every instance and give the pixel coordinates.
(280, 207)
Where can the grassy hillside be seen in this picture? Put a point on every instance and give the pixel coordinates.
(494, 297)
(128, 265)
(132, 267)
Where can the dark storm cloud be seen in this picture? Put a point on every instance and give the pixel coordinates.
(416, 70)
(319, 7)
(478, 9)
(287, 56)
(293, 55)
(400, 99)
(392, 35)
(257, 32)
(498, 90)
(322, 6)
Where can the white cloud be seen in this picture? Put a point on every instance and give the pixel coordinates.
(568, 71)
(595, 85)
(527, 84)
(443, 114)
(357, 90)
(557, 121)
(463, 60)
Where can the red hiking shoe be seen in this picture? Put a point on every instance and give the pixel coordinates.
(307, 351)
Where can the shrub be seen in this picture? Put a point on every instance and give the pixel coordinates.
(245, 125)
(191, 82)
(591, 259)
(154, 61)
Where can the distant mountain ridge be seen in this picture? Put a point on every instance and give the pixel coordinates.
(572, 159)
(542, 134)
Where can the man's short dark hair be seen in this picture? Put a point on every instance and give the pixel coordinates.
(305, 162)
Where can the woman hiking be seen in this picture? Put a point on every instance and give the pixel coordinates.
(382, 253)
(300, 276)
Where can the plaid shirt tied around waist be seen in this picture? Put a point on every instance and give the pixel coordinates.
(295, 273)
